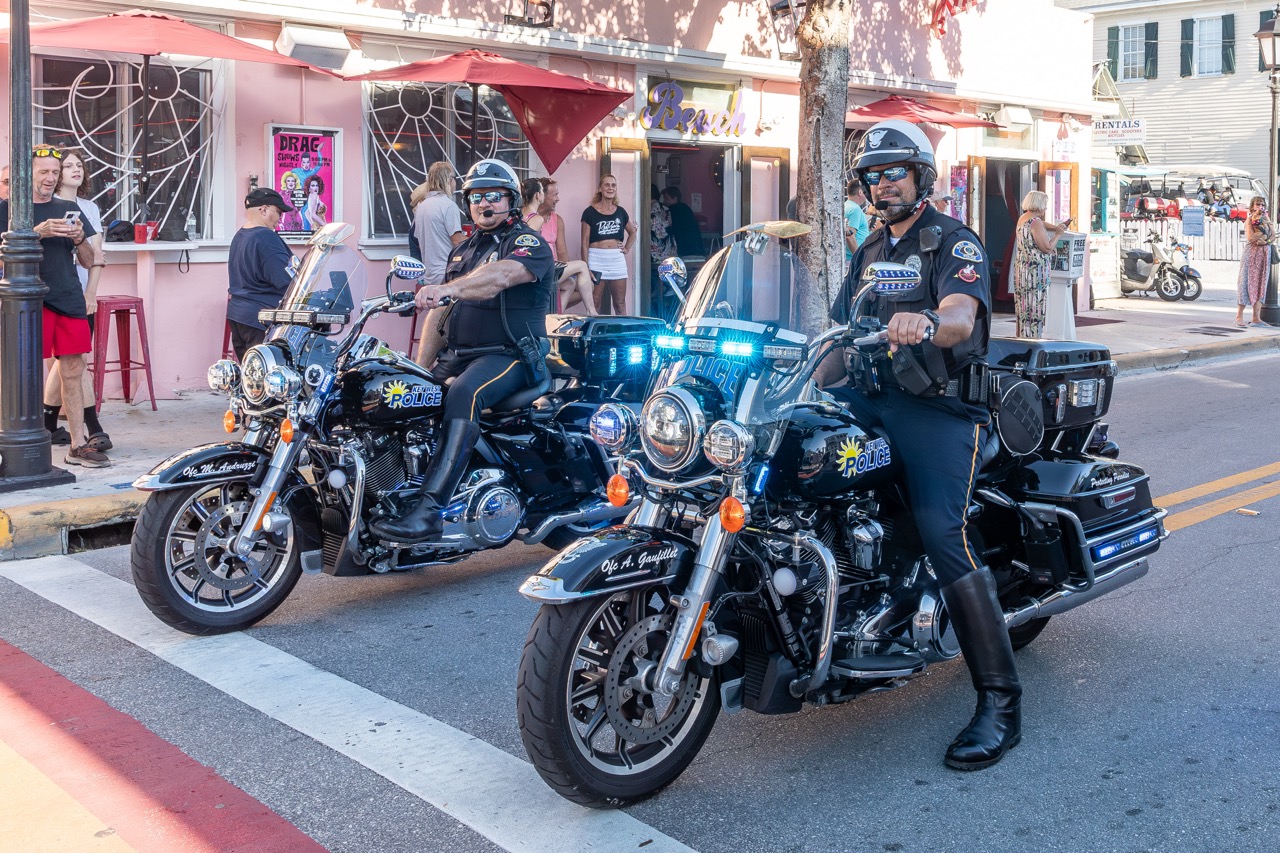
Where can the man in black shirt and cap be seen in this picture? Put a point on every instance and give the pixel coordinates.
(259, 268)
(499, 286)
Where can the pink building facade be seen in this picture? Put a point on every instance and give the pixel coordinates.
(715, 112)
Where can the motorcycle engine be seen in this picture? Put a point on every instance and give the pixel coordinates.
(485, 513)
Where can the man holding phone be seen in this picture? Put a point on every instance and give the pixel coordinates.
(65, 325)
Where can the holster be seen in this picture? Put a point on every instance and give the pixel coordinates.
(533, 354)
(920, 370)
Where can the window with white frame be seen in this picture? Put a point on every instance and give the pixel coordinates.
(1208, 47)
(1133, 46)
(413, 125)
(97, 106)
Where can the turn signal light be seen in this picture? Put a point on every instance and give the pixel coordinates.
(733, 515)
(286, 430)
(618, 490)
(229, 421)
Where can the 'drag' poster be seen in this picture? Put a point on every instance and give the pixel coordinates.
(302, 170)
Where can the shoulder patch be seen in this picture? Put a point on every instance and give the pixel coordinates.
(520, 253)
(967, 250)
(968, 274)
(528, 240)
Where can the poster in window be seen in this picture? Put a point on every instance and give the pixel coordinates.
(960, 193)
(305, 170)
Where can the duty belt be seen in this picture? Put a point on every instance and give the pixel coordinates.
(972, 385)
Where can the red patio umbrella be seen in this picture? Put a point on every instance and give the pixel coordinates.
(150, 34)
(913, 111)
(554, 110)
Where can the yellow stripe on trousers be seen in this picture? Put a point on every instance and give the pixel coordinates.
(486, 385)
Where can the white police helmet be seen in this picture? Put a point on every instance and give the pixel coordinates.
(492, 174)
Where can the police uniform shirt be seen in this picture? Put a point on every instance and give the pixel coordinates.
(479, 323)
(958, 265)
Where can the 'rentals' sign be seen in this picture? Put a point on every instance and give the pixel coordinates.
(1120, 131)
(669, 110)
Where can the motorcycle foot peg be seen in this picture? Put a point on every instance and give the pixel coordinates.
(719, 649)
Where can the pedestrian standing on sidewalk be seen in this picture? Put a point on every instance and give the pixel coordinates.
(1032, 247)
(1255, 263)
(64, 234)
(73, 186)
(437, 226)
(607, 234)
(573, 279)
(258, 268)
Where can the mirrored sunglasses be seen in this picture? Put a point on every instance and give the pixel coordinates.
(897, 173)
(492, 196)
(47, 152)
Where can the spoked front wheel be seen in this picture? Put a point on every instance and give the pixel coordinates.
(186, 572)
(592, 726)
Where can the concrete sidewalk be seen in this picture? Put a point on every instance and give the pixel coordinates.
(1143, 333)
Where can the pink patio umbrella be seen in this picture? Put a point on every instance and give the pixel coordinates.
(554, 110)
(914, 111)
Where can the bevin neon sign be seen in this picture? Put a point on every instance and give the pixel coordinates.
(667, 111)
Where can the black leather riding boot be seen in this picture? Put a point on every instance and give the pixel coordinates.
(996, 727)
(424, 521)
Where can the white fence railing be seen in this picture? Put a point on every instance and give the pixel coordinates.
(1223, 239)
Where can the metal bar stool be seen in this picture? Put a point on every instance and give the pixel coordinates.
(121, 308)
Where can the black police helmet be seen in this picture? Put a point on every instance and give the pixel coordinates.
(493, 174)
(897, 141)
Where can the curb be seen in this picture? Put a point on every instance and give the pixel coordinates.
(1175, 357)
(45, 529)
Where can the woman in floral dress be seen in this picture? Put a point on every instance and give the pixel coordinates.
(1256, 263)
(1033, 246)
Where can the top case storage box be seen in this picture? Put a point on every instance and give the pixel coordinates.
(615, 354)
(1075, 377)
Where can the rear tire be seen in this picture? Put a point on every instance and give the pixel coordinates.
(591, 736)
(1021, 636)
(1191, 289)
(182, 570)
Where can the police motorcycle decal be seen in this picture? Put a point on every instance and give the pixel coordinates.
(799, 572)
(339, 429)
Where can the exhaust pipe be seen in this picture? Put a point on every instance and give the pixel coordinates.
(600, 510)
(1062, 600)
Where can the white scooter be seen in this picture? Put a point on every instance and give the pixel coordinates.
(1157, 271)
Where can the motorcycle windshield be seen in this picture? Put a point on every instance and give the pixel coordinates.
(737, 334)
(331, 279)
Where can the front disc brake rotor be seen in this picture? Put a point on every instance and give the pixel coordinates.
(214, 561)
(634, 714)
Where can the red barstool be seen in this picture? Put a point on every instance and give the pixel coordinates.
(121, 308)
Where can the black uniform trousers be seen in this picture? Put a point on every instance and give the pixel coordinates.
(478, 382)
(938, 441)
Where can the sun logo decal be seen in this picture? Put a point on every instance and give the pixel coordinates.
(393, 393)
(848, 455)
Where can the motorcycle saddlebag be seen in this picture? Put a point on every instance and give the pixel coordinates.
(1075, 378)
(606, 351)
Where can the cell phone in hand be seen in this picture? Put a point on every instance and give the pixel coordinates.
(71, 217)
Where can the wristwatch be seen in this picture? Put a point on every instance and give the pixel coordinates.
(932, 317)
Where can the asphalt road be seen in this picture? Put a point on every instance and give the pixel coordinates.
(1150, 716)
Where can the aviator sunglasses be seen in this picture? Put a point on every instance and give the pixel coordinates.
(895, 173)
(492, 196)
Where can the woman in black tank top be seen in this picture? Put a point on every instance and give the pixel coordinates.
(607, 235)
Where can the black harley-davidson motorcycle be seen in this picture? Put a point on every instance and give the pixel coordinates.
(338, 429)
(772, 560)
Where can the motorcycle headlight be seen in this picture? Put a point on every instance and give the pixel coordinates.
(223, 375)
(729, 446)
(672, 425)
(613, 427)
(283, 383)
(258, 362)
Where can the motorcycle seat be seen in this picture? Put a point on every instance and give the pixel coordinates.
(1145, 257)
(522, 399)
(990, 449)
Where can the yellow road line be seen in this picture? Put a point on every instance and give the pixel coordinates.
(1217, 485)
(1204, 512)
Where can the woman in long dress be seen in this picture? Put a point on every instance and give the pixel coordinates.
(1255, 264)
(1033, 246)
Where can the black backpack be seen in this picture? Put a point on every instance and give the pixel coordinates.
(119, 231)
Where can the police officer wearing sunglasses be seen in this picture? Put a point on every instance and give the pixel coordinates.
(931, 396)
(498, 286)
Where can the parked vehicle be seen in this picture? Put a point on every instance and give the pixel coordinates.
(772, 561)
(1159, 191)
(1158, 272)
(338, 430)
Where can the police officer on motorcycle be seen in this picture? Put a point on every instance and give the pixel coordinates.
(930, 392)
(498, 286)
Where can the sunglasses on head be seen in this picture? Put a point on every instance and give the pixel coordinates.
(47, 152)
(895, 173)
(492, 196)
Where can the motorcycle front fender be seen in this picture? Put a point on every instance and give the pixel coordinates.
(614, 559)
(222, 462)
(1191, 272)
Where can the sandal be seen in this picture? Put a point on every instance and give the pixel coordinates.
(99, 441)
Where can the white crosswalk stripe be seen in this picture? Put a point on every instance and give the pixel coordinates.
(495, 794)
